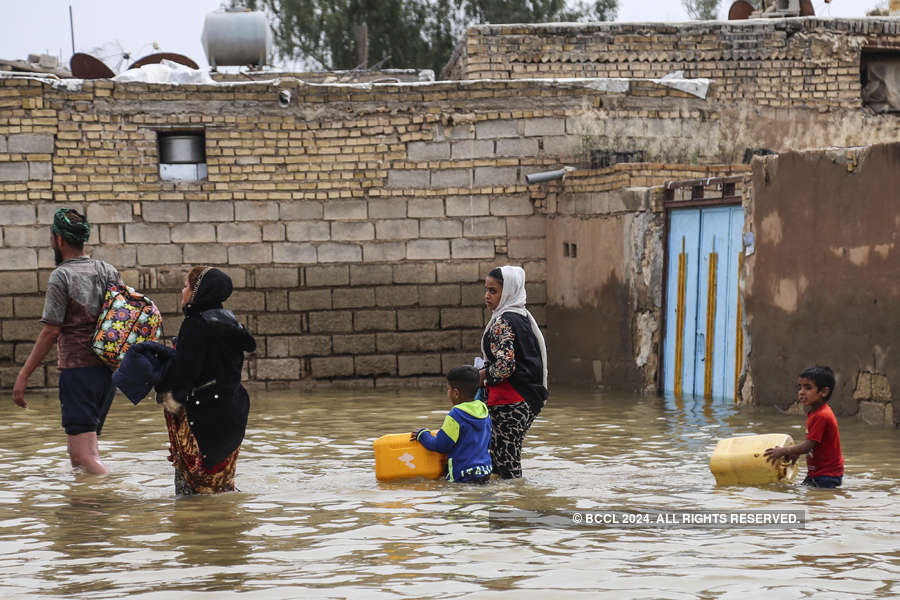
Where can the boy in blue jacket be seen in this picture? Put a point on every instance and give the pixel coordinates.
(466, 433)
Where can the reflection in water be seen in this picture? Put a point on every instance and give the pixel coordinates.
(311, 520)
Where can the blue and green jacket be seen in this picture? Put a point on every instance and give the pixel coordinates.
(464, 438)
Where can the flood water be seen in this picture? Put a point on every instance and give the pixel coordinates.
(311, 521)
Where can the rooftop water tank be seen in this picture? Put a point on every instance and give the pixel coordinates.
(233, 38)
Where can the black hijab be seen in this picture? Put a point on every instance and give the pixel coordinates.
(213, 287)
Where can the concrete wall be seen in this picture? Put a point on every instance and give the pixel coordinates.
(822, 285)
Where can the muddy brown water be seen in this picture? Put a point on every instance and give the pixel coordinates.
(311, 521)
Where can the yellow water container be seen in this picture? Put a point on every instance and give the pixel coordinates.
(741, 460)
(398, 457)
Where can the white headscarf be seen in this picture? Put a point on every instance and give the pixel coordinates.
(512, 299)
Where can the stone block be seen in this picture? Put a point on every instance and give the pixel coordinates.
(471, 248)
(119, 212)
(460, 317)
(300, 210)
(545, 126)
(439, 295)
(397, 229)
(536, 292)
(372, 274)
(384, 251)
(562, 146)
(20, 330)
(6, 310)
(273, 232)
(26, 237)
(511, 206)
(277, 368)
(387, 208)
(293, 253)
(238, 233)
(353, 297)
(276, 277)
(205, 254)
(246, 301)
(376, 364)
(346, 210)
(375, 320)
(332, 366)
(159, 254)
(31, 143)
(8, 377)
(527, 248)
(15, 282)
(440, 228)
(310, 300)
(414, 319)
(451, 360)
(408, 178)
(532, 226)
(28, 306)
(352, 232)
(454, 272)
(335, 321)
(468, 206)
(207, 212)
(451, 178)
(19, 214)
(331, 252)
(395, 296)
(146, 233)
(310, 345)
(428, 250)
(496, 176)
(881, 388)
(863, 389)
(418, 364)
(18, 259)
(166, 212)
(414, 273)
(40, 171)
(506, 128)
(255, 211)
(399, 342)
(119, 256)
(193, 233)
(16, 171)
(423, 208)
(327, 276)
(872, 412)
(492, 227)
(308, 231)
(425, 151)
(518, 147)
(360, 343)
(471, 149)
(472, 294)
(250, 254)
(278, 323)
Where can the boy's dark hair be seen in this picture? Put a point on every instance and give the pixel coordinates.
(497, 274)
(465, 379)
(820, 375)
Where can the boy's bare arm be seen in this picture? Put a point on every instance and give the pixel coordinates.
(793, 452)
(42, 345)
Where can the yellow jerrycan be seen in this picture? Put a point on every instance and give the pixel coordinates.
(397, 457)
(741, 460)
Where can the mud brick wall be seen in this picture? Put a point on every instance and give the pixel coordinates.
(357, 223)
(806, 62)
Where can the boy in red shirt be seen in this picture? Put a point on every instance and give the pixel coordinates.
(823, 441)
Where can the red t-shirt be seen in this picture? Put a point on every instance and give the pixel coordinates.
(826, 458)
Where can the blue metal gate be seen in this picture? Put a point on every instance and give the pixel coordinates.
(703, 341)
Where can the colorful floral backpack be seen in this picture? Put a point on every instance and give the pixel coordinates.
(127, 317)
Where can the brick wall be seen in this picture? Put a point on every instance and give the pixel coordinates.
(357, 223)
(806, 62)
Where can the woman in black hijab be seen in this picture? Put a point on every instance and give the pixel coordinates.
(207, 413)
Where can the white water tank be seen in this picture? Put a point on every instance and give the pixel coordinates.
(233, 38)
(895, 8)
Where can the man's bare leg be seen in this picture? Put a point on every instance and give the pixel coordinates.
(85, 454)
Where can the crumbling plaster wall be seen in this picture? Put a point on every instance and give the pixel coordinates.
(821, 286)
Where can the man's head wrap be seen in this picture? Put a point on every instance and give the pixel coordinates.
(73, 232)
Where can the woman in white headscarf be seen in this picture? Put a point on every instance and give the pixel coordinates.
(515, 370)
